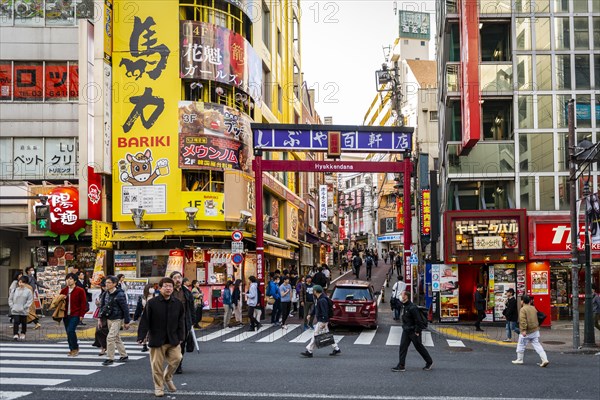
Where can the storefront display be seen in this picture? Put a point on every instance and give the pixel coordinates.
(135, 289)
(444, 280)
(502, 278)
(126, 263)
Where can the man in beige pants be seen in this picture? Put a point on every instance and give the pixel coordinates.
(163, 321)
(116, 311)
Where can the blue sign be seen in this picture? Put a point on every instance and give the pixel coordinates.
(390, 238)
(363, 139)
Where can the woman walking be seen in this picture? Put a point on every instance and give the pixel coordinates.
(102, 324)
(198, 303)
(285, 290)
(19, 302)
(236, 297)
(227, 304)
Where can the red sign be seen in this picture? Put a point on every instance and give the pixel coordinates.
(399, 212)
(342, 229)
(5, 80)
(425, 212)
(210, 152)
(550, 238)
(28, 80)
(334, 143)
(469, 40)
(64, 210)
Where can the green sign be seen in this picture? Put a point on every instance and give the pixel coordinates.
(415, 25)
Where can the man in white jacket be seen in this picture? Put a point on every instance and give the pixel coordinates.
(397, 290)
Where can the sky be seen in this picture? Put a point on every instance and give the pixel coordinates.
(342, 47)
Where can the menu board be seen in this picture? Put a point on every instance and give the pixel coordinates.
(135, 289)
(520, 282)
(126, 263)
(448, 286)
(503, 279)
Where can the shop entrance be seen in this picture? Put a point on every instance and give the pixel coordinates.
(333, 140)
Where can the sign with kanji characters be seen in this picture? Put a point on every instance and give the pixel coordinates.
(425, 212)
(215, 53)
(101, 235)
(486, 234)
(353, 139)
(64, 210)
(237, 247)
(322, 203)
(399, 212)
(414, 25)
(208, 152)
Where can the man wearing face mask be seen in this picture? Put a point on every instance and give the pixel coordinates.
(184, 295)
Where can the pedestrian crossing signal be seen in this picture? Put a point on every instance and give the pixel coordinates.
(42, 217)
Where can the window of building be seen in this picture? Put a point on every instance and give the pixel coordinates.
(266, 87)
(296, 33)
(561, 5)
(454, 52)
(525, 106)
(279, 99)
(564, 194)
(543, 69)
(580, 6)
(497, 119)
(433, 115)
(523, 33)
(203, 181)
(562, 146)
(544, 111)
(562, 102)
(536, 152)
(495, 42)
(596, 33)
(35, 13)
(582, 71)
(562, 33)
(597, 74)
(279, 43)
(405, 41)
(547, 194)
(542, 33)
(266, 25)
(527, 189)
(563, 72)
(422, 43)
(581, 32)
(584, 108)
(39, 81)
(524, 72)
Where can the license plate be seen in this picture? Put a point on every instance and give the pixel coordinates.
(351, 309)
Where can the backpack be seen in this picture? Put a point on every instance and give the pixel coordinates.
(421, 317)
(369, 261)
(357, 261)
(268, 290)
(329, 307)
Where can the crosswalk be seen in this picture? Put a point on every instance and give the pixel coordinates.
(25, 365)
(294, 334)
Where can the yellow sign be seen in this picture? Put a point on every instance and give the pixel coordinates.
(145, 105)
(210, 205)
(108, 30)
(102, 233)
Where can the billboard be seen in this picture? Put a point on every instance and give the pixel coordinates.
(415, 25)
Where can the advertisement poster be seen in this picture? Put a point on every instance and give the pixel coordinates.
(504, 279)
(435, 277)
(126, 263)
(135, 289)
(175, 262)
(448, 279)
(520, 282)
(98, 274)
(539, 282)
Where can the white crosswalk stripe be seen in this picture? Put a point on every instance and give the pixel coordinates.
(455, 343)
(248, 334)
(278, 334)
(366, 337)
(394, 336)
(303, 337)
(427, 339)
(218, 334)
(8, 395)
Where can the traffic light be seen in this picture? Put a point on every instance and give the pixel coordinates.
(42, 217)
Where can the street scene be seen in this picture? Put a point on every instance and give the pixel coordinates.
(290, 199)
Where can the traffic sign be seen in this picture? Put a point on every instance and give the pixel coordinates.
(237, 247)
(237, 258)
(237, 236)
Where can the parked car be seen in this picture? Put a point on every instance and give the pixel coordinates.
(354, 303)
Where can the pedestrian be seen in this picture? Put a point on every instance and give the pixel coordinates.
(344, 265)
(163, 322)
(321, 312)
(30, 272)
(76, 307)
(319, 278)
(369, 264)
(252, 298)
(182, 294)
(116, 311)
(236, 297)
(511, 314)
(327, 273)
(19, 301)
(397, 289)
(101, 324)
(596, 306)
(32, 315)
(285, 291)
(398, 264)
(412, 326)
(273, 291)
(356, 263)
(294, 299)
(530, 332)
(85, 286)
(480, 305)
(227, 307)
(307, 301)
(148, 293)
(385, 256)
(198, 303)
(392, 256)
(299, 284)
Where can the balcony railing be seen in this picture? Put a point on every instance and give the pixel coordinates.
(488, 158)
(496, 77)
(452, 77)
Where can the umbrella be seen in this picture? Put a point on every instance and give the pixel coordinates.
(193, 333)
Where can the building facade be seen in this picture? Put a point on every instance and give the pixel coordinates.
(506, 75)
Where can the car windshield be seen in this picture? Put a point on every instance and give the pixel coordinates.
(351, 293)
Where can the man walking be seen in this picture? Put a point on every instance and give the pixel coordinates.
(116, 311)
(356, 263)
(76, 306)
(306, 302)
(252, 299)
(480, 304)
(530, 332)
(186, 298)
(369, 263)
(321, 312)
(397, 290)
(511, 314)
(163, 320)
(412, 326)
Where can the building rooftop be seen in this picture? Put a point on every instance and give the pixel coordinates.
(425, 71)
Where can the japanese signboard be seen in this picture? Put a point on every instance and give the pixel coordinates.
(144, 128)
(213, 136)
(425, 212)
(210, 205)
(322, 203)
(38, 158)
(36, 81)
(551, 237)
(352, 140)
(102, 235)
(291, 222)
(399, 212)
(486, 234)
(215, 53)
(415, 25)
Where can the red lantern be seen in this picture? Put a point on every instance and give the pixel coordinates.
(64, 210)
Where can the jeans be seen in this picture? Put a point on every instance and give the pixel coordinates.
(19, 320)
(510, 327)
(276, 312)
(71, 323)
(285, 311)
(397, 312)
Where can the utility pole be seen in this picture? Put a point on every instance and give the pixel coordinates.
(574, 233)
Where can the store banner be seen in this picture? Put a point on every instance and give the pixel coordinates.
(144, 139)
(322, 203)
(399, 212)
(447, 278)
(291, 222)
(425, 212)
(175, 262)
(215, 53)
(550, 237)
(135, 290)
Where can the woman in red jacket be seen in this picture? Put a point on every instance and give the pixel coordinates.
(75, 309)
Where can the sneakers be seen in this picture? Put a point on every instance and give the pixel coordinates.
(16, 337)
(73, 353)
(124, 359)
(518, 362)
(37, 326)
(108, 362)
(335, 352)
(145, 348)
(171, 386)
(544, 363)
(22, 336)
(507, 340)
(306, 354)
(399, 368)
(428, 367)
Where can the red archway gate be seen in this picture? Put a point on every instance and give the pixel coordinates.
(334, 140)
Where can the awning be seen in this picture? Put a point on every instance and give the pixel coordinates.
(137, 236)
(202, 232)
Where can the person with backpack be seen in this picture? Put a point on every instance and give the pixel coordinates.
(398, 264)
(114, 308)
(396, 297)
(323, 311)
(530, 332)
(369, 263)
(356, 263)
(273, 291)
(413, 322)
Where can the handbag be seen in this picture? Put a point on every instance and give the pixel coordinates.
(394, 303)
(324, 339)
(270, 300)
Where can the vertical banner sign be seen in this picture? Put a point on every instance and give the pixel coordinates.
(399, 212)
(322, 203)
(469, 38)
(145, 74)
(425, 212)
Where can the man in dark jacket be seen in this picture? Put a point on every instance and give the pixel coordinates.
(183, 294)
(116, 311)
(319, 278)
(163, 320)
(511, 314)
(321, 312)
(356, 263)
(411, 333)
(480, 304)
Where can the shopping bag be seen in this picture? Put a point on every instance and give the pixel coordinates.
(324, 339)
